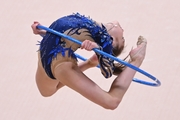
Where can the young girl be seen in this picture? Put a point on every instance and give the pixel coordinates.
(57, 64)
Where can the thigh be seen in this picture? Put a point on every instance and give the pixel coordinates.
(71, 76)
(46, 85)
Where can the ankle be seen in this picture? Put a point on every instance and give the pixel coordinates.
(137, 63)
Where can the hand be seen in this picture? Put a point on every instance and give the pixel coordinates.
(37, 31)
(88, 45)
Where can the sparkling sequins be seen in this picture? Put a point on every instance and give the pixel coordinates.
(51, 45)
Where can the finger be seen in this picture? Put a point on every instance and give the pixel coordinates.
(36, 22)
(88, 45)
(91, 47)
(82, 45)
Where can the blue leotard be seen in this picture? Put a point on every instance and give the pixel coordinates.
(51, 44)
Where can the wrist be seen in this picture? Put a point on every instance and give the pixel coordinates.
(42, 32)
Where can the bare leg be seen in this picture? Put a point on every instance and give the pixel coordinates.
(70, 75)
(46, 86)
(122, 82)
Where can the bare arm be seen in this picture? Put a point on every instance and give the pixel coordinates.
(106, 64)
(89, 63)
(93, 60)
(71, 76)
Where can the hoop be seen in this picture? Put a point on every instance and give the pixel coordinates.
(156, 82)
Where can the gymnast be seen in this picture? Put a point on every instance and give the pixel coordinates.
(57, 62)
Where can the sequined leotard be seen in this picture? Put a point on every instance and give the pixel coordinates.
(80, 28)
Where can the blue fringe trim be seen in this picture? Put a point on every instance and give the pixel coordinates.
(51, 45)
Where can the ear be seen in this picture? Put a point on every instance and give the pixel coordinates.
(114, 41)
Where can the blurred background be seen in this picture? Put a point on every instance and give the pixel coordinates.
(156, 20)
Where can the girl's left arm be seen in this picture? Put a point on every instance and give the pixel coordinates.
(91, 62)
(37, 31)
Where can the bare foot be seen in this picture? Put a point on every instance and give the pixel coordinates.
(138, 54)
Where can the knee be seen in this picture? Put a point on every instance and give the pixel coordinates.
(46, 93)
(112, 104)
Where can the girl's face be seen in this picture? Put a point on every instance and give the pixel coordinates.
(116, 32)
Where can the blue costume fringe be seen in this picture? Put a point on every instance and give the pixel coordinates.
(51, 44)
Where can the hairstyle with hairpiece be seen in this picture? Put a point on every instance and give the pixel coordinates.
(118, 68)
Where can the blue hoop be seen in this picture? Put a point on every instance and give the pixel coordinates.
(157, 82)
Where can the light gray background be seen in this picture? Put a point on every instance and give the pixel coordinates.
(157, 20)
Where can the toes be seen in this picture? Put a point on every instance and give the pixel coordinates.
(141, 40)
